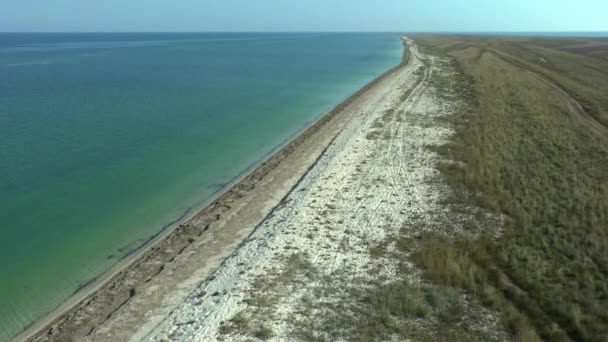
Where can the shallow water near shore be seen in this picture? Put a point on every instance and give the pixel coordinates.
(107, 138)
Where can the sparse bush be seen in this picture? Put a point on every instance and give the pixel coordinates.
(264, 333)
(377, 251)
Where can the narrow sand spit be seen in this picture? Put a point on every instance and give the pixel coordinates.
(375, 177)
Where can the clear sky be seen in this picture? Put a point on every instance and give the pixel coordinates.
(303, 15)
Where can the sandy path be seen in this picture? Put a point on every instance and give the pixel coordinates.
(576, 109)
(375, 177)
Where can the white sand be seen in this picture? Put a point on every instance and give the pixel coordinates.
(364, 188)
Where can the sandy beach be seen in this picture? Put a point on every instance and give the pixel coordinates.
(296, 276)
(134, 297)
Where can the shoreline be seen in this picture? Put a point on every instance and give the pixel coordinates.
(361, 187)
(327, 262)
(44, 327)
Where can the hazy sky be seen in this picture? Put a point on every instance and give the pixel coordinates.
(303, 15)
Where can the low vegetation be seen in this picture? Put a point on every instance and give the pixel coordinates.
(382, 308)
(524, 154)
(527, 236)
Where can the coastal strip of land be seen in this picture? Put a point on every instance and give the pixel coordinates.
(333, 262)
(143, 289)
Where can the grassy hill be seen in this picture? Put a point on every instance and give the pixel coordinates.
(533, 143)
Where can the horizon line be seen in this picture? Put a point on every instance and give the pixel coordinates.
(291, 31)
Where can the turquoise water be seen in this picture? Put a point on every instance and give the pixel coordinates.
(107, 138)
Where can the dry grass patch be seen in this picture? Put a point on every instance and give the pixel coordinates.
(524, 155)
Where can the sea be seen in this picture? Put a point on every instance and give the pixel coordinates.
(108, 138)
